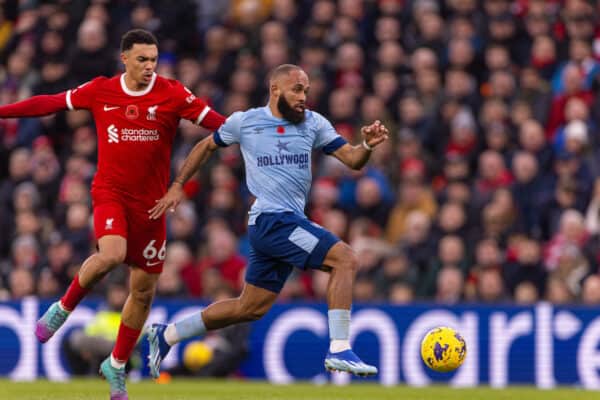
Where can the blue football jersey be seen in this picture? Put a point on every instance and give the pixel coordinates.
(277, 156)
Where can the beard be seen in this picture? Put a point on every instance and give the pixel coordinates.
(288, 113)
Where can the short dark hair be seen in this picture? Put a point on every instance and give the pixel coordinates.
(139, 36)
(283, 69)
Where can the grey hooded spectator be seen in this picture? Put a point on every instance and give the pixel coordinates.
(92, 56)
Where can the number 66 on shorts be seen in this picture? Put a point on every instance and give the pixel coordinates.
(153, 256)
(146, 238)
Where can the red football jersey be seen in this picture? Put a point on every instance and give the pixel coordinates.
(135, 133)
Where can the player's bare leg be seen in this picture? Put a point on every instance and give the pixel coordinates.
(252, 304)
(111, 252)
(142, 287)
(343, 263)
(340, 357)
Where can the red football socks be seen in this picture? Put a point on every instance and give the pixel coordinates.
(126, 340)
(74, 295)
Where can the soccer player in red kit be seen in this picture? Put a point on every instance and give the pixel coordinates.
(137, 114)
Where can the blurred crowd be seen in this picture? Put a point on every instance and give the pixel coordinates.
(488, 190)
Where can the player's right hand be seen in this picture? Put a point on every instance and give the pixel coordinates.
(168, 202)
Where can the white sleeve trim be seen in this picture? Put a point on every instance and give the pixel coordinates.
(69, 104)
(202, 115)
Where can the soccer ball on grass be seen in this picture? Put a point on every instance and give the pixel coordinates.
(443, 349)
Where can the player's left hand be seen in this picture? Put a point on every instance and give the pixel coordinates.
(374, 134)
(168, 202)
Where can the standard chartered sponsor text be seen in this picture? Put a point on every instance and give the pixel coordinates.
(139, 135)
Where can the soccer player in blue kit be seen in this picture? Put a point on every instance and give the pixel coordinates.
(276, 142)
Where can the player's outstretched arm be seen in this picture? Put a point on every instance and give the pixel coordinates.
(197, 157)
(357, 156)
(35, 106)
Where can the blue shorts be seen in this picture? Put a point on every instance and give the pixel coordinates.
(281, 241)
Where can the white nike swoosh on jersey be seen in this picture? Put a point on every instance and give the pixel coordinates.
(107, 108)
(150, 264)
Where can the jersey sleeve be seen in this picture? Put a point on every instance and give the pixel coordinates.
(35, 106)
(82, 97)
(196, 110)
(326, 137)
(230, 131)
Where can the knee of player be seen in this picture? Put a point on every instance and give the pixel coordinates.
(113, 257)
(348, 260)
(143, 296)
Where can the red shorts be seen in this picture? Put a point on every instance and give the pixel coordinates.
(146, 238)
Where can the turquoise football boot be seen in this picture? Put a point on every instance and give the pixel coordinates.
(115, 378)
(52, 319)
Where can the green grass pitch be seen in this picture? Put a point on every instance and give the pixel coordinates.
(199, 389)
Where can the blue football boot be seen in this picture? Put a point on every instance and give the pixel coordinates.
(347, 361)
(159, 348)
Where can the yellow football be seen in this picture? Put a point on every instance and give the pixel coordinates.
(443, 349)
(196, 355)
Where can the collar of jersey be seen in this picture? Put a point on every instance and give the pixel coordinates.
(137, 92)
(270, 114)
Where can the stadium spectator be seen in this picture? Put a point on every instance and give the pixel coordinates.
(92, 56)
(451, 254)
(570, 237)
(415, 242)
(532, 139)
(221, 255)
(591, 290)
(526, 293)
(490, 286)
(557, 291)
(182, 225)
(525, 266)
(395, 268)
(22, 283)
(401, 293)
(370, 202)
(178, 257)
(413, 197)
(449, 285)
